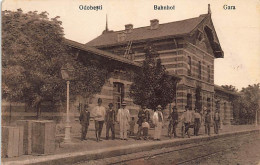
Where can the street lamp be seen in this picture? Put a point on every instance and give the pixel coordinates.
(66, 73)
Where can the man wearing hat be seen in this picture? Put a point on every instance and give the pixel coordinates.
(186, 117)
(84, 121)
(174, 122)
(99, 113)
(158, 122)
(208, 122)
(110, 120)
(123, 117)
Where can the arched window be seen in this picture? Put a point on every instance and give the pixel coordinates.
(189, 65)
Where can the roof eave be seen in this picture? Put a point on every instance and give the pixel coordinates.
(143, 40)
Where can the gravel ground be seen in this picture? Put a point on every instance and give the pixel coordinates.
(241, 150)
(245, 154)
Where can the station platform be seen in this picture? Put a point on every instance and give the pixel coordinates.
(89, 149)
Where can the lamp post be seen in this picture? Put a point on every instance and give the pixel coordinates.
(66, 72)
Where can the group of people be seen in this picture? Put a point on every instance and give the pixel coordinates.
(193, 119)
(110, 117)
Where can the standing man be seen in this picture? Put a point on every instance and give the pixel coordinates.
(174, 119)
(187, 120)
(141, 117)
(207, 122)
(216, 122)
(197, 122)
(110, 120)
(99, 113)
(123, 117)
(84, 121)
(158, 122)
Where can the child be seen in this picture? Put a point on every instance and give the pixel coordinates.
(146, 127)
(132, 126)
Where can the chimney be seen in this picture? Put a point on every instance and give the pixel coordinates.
(154, 23)
(129, 28)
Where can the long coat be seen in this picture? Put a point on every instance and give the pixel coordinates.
(84, 117)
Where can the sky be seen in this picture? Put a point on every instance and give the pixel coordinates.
(238, 30)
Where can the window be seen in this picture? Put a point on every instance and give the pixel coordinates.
(189, 100)
(208, 73)
(208, 103)
(189, 65)
(199, 70)
(118, 94)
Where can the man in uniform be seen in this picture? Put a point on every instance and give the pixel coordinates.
(123, 117)
(84, 121)
(110, 120)
(174, 121)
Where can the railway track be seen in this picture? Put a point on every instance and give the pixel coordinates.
(183, 154)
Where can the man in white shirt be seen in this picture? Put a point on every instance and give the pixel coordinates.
(99, 113)
(187, 116)
(123, 117)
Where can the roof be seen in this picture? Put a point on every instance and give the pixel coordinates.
(100, 52)
(219, 88)
(177, 28)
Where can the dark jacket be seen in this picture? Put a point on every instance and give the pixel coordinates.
(174, 117)
(141, 117)
(110, 116)
(208, 118)
(84, 117)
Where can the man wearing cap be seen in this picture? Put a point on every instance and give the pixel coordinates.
(110, 120)
(174, 122)
(123, 117)
(99, 113)
(158, 122)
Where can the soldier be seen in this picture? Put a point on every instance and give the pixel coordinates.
(174, 119)
(110, 120)
(207, 122)
(84, 121)
(123, 117)
(99, 113)
(158, 122)
(216, 122)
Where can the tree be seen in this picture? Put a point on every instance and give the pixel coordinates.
(249, 102)
(34, 51)
(152, 86)
(230, 88)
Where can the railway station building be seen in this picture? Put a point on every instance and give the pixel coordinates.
(187, 49)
